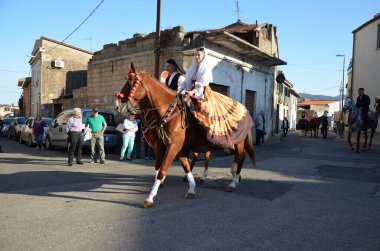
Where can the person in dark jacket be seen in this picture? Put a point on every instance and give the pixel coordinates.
(285, 126)
(175, 76)
(38, 131)
(362, 102)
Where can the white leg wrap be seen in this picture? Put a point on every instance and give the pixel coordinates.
(204, 174)
(154, 190)
(191, 180)
(232, 184)
(236, 178)
(233, 169)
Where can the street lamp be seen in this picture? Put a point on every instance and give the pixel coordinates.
(341, 99)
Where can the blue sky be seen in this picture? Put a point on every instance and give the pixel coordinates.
(310, 32)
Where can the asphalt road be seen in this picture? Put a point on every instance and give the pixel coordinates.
(307, 194)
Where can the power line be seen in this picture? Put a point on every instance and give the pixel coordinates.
(323, 89)
(77, 27)
(11, 70)
(312, 68)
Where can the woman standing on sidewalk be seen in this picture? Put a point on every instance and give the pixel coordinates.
(130, 128)
(38, 131)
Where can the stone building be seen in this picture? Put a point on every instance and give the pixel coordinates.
(57, 69)
(243, 56)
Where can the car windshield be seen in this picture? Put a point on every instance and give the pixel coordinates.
(8, 121)
(48, 122)
(110, 119)
(21, 121)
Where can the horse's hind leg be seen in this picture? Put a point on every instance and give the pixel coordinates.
(236, 167)
(207, 158)
(370, 139)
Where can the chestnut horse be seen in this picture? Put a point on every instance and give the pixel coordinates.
(355, 123)
(176, 129)
(153, 139)
(313, 126)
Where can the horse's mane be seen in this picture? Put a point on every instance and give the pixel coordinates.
(156, 81)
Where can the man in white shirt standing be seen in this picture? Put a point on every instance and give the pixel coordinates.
(175, 78)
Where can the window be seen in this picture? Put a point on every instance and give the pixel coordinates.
(250, 101)
(222, 89)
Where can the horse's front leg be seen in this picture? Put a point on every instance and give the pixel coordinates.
(365, 140)
(349, 138)
(159, 151)
(358, 141)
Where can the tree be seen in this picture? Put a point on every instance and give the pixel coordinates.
(21, 105)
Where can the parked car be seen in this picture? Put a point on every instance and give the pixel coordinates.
(27, 135)
(15, 127)
(7, 123)
(57, 136)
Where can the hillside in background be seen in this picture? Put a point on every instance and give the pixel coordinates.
(317, 97)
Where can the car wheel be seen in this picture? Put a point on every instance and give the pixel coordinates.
(30, 140)
(20, 140)
(48, 143)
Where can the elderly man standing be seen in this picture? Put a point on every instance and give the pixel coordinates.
(97, 125)
(74, 131)
(260, 128)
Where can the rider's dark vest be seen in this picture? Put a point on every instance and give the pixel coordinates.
(174, 84)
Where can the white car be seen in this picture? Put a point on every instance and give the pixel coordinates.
(26, 132)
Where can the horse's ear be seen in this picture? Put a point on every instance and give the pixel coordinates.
(132, 68)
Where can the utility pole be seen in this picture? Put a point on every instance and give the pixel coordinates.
(157, 42)
(341, 99)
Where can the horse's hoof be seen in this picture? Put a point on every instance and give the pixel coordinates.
(147, 204)
(189, 196)
(184, 179)
(229, 189)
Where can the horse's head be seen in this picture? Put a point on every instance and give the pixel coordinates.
(348, 104)
(133, 90)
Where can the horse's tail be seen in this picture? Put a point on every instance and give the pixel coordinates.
(248, 145)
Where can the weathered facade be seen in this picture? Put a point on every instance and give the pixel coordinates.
(243, 57)
(25, 84)
(286, 104)
(366, 60)
(57, 69)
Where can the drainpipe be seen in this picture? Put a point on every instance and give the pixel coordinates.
(241, 84)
